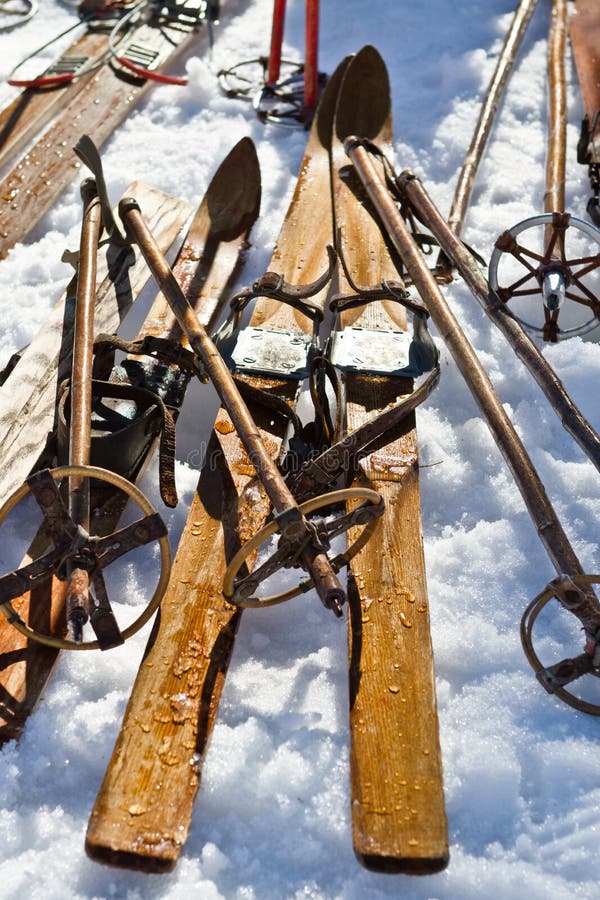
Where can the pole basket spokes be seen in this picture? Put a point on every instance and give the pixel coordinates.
(546, 269)
(281, 102)
(77, 559)
(239, 591)
(280, 90)
(556, 676)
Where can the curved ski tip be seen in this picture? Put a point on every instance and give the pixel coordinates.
(364, 103)
(323, 120)
(233, 195)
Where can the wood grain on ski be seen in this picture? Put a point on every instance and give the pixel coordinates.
(34, 183)
(26, 665)
(142, 813)
(398, 814)
(29, 395)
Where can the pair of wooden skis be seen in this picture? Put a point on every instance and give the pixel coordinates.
(143, 810)
(397, 799)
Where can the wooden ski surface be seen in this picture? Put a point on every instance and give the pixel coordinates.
(142, 813)
(398, 813)
(584, 29)
(33, 108)
(26, 665)
(34, 183)
(28, 396)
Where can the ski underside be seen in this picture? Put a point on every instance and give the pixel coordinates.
(92, 104)
(142, 814)
(207, 264)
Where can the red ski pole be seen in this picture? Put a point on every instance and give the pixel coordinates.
(276, 41)
(311, 69)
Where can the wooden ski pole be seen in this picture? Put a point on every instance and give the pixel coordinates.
(550, 268)
(571, 417)
(80, 427)
(75, 554)
(293, 526)
(311, 53)
(554, 194)
(585, 605)
(468, 172)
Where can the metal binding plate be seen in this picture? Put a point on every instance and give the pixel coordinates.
(271, 352)
(372, 352)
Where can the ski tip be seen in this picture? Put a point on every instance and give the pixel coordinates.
(364, 102)
(323, 120)
(233, 196)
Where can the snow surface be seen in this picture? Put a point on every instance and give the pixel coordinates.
(522, 771)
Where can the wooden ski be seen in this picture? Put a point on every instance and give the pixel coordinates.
(398, 814)
(207, 263)
(35, 106)
(142, 813)
(584, 30)
(39, 177)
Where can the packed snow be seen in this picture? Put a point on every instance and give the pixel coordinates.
(272, 817)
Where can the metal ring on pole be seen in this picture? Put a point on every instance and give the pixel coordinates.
(135, 494)
(334, 497)
(548, 273)
(528, 621)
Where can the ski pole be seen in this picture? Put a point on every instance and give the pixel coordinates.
(411, 189)
(548, 263)
(292, 524)
(76, 556)
(489, 107)
(311, 52)
(581, 602)
(274, 64)
(80, 427)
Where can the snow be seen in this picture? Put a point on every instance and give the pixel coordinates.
(272, 815)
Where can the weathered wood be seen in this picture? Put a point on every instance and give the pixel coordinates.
(398, 814)
(28, 397)
(143, 810)
(34, 183)
(25, 666)
(28, 113)
(584, 29)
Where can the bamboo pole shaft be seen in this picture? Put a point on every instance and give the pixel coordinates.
(314, 561)
(80, 427)
(83, 335)
(532, 490)
(554, 196)
(571, 418)
(311, 55)
(487, 114)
